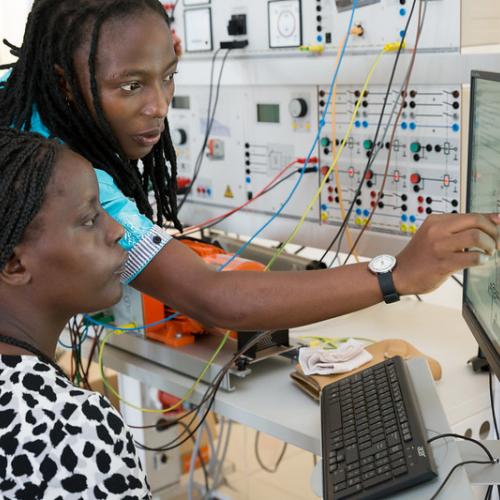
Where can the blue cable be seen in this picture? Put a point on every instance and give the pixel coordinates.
(283, 205)
(82, 339)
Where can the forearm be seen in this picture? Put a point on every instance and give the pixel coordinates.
(245, 300)
(252, 300)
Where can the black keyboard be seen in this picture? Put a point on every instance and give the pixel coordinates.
(373, 438)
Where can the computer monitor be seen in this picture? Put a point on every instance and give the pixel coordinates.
(481, 295)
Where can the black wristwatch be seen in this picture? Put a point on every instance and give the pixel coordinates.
(382, 266)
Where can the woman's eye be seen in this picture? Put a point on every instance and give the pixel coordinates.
(171, 78)
(90, 222)
(131, 87)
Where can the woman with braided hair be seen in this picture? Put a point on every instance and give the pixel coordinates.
(59, 256)
(98, 75)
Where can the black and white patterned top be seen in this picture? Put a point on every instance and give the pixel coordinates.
(61, 442)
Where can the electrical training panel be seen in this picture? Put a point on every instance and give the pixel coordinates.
(274, 93)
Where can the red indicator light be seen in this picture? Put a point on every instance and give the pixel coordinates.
(415, 178)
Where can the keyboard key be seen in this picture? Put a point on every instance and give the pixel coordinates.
(382, 470)
(351, 441)
(397, 455)
(349, 491)
(373, 449)
(353, 474)
(367, 460)
(400, 471)
(368, 467)
(351, 467)
(339, 487)
(381, 461)
(393, 439)
(381, 478)
(339, 476)
(368, 475)
(353, 481)
(398, 463)
(351, 454)
(395, 448)
(381, 454)
(335, 416)
(365, 445)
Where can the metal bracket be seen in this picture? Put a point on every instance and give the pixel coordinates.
(481, 474)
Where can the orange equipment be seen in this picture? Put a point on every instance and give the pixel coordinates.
(181, 330)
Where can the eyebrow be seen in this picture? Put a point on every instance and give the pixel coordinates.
(88, 203)
(142, 72)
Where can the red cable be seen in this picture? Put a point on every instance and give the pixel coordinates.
(258, 195)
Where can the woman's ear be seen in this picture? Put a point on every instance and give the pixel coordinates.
(15, 272)
(63, 83)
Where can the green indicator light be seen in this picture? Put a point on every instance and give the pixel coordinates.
(367, 144)
(325, 142)
(415, 147)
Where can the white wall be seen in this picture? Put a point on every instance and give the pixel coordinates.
(13, 15)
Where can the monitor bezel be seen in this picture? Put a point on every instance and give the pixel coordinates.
(485, 344)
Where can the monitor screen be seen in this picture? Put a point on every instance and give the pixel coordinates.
(481, 299)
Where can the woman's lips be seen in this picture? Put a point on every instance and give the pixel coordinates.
(147, 140)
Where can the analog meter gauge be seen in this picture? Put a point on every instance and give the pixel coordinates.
(285, 23)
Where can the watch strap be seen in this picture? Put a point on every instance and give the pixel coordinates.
(388, 289)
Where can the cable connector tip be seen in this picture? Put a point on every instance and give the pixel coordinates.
(394, 46)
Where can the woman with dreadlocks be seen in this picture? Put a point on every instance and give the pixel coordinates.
(98, 75)
(59, 256)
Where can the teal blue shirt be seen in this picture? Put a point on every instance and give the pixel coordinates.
(143, 240)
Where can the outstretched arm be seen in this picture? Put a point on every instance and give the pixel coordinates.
(254, 300)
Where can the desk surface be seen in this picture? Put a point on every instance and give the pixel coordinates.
(268, 401)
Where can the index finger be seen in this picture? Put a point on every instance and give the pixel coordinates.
(488, 223)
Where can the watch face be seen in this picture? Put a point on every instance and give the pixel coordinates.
(382, 264)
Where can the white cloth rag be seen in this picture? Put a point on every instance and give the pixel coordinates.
(349, 356)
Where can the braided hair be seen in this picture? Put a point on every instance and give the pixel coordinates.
(26, 164)
(54, 31)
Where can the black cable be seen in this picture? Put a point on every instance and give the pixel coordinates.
(270, 188)
(403, 93)
(467, 462)
(377, 149)
(489, 492)
(465, 438)
(207, 132)
(275, 467)
(457, 280)
(492, 401)
(210, 122)
(495, 422)
(475, 441)
(209, 395)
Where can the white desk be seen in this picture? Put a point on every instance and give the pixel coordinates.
(268, 401)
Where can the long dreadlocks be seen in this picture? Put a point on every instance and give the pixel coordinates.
(54, 31)
(26, 165)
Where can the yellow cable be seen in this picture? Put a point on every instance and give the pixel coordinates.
(336, 170)
(387, 48)
(151, 410)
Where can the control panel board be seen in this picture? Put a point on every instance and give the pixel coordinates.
(273, 94)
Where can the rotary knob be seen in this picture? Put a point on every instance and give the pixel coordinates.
(179, 137)
(298, 107)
